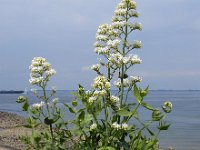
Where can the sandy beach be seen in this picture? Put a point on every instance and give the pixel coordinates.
(11, 127)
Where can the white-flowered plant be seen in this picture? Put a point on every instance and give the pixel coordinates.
(46, 112)
(114, 117)
(105, 117)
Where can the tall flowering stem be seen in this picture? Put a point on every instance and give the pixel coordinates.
(114, 44)
(41, 72)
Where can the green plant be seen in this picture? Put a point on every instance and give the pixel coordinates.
(107, 120)
(49, 130)
(103, 119)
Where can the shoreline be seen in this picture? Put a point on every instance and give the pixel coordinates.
(11, 127)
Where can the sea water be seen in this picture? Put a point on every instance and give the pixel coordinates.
(184, 132)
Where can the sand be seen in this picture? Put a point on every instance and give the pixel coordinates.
(11, 127)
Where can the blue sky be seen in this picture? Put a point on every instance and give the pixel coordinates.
(63, 31)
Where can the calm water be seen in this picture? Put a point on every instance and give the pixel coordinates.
(184, 133)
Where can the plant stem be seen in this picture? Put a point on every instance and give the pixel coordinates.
(45, 99)
(52, 137)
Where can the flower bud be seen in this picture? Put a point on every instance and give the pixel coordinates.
(167, 107)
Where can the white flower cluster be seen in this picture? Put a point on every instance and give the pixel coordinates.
(114, 99)
(135, 79)
(135, 44)
(38, 106)
(93, 126)
(127, 82)
(118, 59)
(101, 83)
(113, 43)
(41, 71)
(135, 26)
(95, 67)
(118, 83)
(123, 126)
(96, 94)
(106, 39)
(126, 8)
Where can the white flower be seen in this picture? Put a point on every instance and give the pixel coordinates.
(137, 44)
(102, 92)
(126, 82)
(36, 80)
(120, 12)
(121, 5)
(124, 126)
(95, 67)
(135, 59)
(102, 37)
(135, 26)
(99, 93)
(133, 13)
(118, 83)
(135, 79)
(50, 72)
(38, 106)
(101, 82)
(103, 29)
(116, 58)
(126, 60)
(114, 99)
(113, 43)
(88, 92)
(102, 50)
(92, 99)
(116, 125)
(40, 71)
(119, 24)
(93, 126)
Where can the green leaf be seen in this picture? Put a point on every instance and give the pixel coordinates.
(145, 91)
(157, 115)
(124, 112)
(70, 109)
(25, 106)
(81, 116)
(37, 138)
(150, 132)
(165, 127)
(136, 94)
(74, 103)
(57, 110)
(147, 106)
